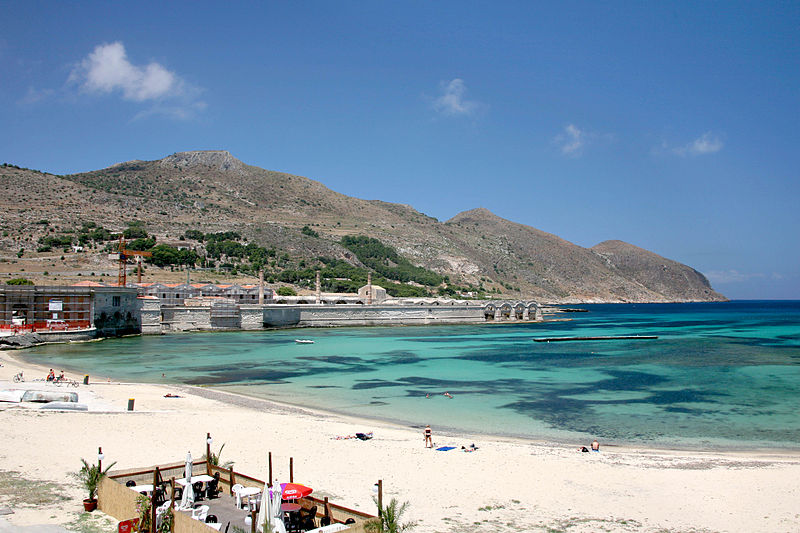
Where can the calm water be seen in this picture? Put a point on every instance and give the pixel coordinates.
(719, 374)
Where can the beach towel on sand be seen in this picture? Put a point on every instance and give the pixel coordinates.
(445, 448)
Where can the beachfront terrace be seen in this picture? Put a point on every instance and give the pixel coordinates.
(226, 500)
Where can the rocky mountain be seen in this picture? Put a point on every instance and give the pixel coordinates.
(212, 191)
(663, 276)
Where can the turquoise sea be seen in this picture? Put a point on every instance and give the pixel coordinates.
(719, 375)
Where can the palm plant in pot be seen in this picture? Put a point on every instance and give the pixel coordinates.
(90, 476)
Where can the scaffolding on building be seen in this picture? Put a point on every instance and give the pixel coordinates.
(45, 308)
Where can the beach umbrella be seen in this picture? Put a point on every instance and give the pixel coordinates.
(187, 501)
(292, 491)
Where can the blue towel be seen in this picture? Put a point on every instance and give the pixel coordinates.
(445, 448)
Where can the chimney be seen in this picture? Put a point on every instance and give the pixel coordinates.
(260, 287)
(369, 288)
(319, 290)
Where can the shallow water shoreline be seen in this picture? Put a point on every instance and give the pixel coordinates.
(241, 399)
(719, 377)
(608, 491)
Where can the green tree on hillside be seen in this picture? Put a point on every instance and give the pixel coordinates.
(135, 230)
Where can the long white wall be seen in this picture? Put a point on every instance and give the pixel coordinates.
(255, 317)
(392, 315)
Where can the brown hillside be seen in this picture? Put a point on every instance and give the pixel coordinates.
(213, 191)
(674, 280)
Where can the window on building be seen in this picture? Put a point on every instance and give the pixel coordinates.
(115, 301)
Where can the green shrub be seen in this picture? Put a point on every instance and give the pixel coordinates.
(386, 261)
(19, 281)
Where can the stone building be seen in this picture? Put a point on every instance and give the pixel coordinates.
(372, 294)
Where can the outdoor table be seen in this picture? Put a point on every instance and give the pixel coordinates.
(142, 488)
(247, 492)
(203, 478)
(289, 507)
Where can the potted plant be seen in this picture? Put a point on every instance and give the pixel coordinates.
(90, 476)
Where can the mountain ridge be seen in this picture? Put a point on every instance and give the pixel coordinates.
(212, 190)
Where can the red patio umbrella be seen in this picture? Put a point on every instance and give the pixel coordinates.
(292, 491)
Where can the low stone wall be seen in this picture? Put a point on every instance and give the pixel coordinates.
(258, 317)
(388, 315)
(280, 316)
(175, 318)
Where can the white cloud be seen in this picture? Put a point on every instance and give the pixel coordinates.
(107, 69)
(730, 276)
(572, 141)
(707, 143)
(452, 102)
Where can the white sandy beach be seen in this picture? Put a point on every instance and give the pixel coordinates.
(506, 485)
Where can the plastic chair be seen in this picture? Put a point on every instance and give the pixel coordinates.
(200, 512)
(235, 490)
(212, 519)
(198, 490)
(212, 489)
(308, 519)
(159, 495)
(130, 483)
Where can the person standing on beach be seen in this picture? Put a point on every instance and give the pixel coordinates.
(428, 437)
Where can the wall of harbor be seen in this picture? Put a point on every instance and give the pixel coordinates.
(386, 315)
(256, 317)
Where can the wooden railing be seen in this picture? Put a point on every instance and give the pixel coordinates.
(120, 502)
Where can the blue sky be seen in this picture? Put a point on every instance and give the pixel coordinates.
(669, 125)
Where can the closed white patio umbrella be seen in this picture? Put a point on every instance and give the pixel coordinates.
(187, 501)
(271, 510)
